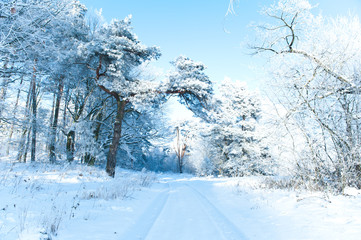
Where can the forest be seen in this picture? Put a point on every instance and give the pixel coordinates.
(96, 143)
(75, 90)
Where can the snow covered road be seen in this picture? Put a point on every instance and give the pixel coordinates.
(81, 203)
(180, 211)
(186, 208)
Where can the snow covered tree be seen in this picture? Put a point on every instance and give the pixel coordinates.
(141, 133)
(50, 53)
(38, 41)
(235, 147)
(314, 62)
(191, 84)
(67, 31)
(114, 53)
(191, 146)
(180, 147)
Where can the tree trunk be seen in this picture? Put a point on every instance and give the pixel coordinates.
(26, 146)
(22, 144)
(34, 110)
(180, 164)
(180, 150)
(78, 111)
(4, 86)
(54, 126)
(117, 132)
(111, 159)
(99, 120)
(14, 115)
(51, 120)
(70, 145)
(88, 157)
(66, 103)
(26, 127)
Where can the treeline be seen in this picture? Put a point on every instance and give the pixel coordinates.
(73, 89)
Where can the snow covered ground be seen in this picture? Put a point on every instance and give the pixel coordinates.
(79, 202)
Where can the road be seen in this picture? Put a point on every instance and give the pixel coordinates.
(182, 210)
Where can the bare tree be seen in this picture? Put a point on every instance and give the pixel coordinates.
(315, 78)
(180, 147)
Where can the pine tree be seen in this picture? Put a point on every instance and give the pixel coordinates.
(236, 149)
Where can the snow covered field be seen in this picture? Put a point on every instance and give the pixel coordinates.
(79, 202)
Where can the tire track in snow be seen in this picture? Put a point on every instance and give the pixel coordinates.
(146, 220)
(227, 228)
(185, 218)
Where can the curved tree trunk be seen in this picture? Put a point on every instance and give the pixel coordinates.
(117, 132)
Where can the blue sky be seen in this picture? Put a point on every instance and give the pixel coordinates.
(200, 30)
